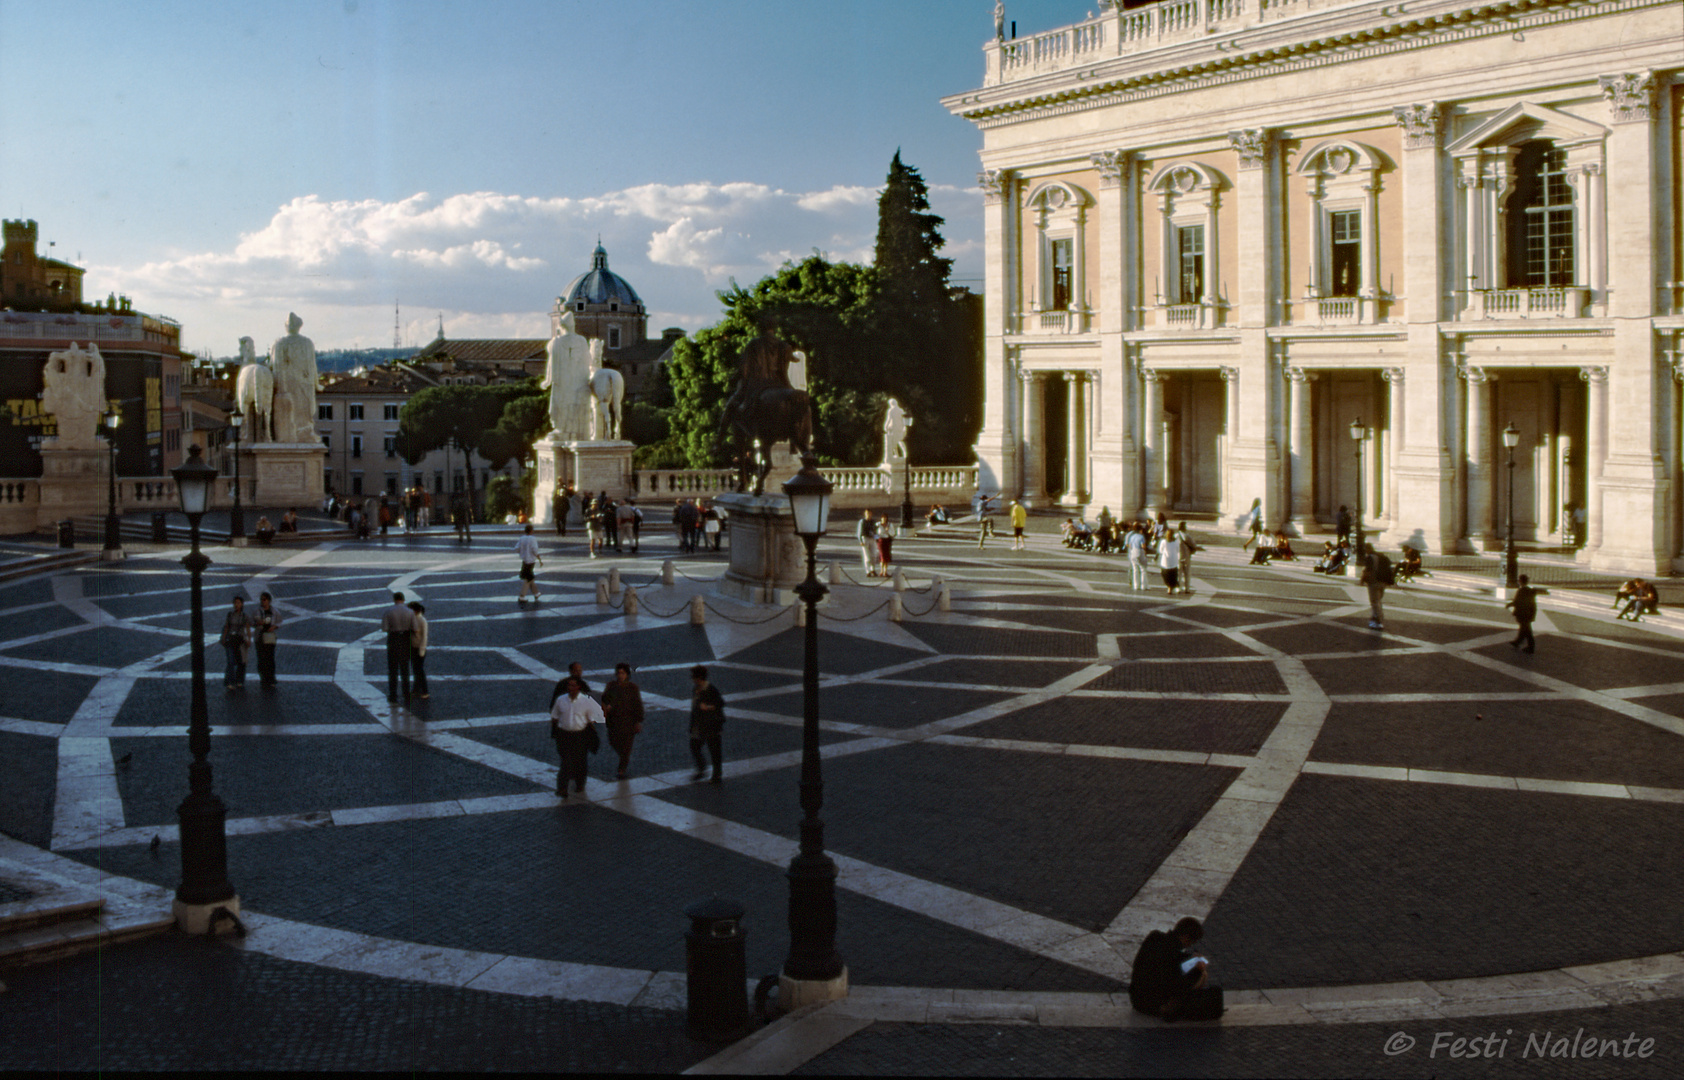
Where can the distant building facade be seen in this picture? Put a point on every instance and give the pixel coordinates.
(1222, 237)
(606, 307)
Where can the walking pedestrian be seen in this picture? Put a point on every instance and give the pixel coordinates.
(624, 517)
(1342, 525)
(1525, 607)
(712, 526)
(418, 648)
(622, 707)
(707, 721)
(637, 525)
(236, 640)
(885, 547)
(1169, 560)
(865, 531)
(1377, 573)
(1134, 545)
(1020, 520)
(1188, 549)
(265, 623)
(397, 622)
(527, 549)
(1254, 523)
(558, 509)
(571, 715)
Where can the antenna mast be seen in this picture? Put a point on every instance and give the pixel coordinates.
(397, 326)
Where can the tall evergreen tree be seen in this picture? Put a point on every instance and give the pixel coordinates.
(910, 272)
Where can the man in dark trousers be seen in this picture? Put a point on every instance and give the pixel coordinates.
(707, 721)
(1525, 607)
(1169, 981)
(397, 622)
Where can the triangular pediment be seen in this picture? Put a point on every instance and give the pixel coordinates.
(1523, 122)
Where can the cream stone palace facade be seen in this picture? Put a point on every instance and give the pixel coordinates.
(1224, 237)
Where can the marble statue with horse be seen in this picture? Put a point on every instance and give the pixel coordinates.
(586, 396)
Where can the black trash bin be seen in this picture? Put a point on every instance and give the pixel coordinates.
(160, 528)
(66, 534)
(718, 971)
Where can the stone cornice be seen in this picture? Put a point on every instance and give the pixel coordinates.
(1318, 40)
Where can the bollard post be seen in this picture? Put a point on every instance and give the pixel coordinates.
(666, 572)
(836, 573)
(613, 579)
(716, 982)
(944, 596)
(698, 611)
(602, 590)
(895, 610)
(630, 602)
(900, 580)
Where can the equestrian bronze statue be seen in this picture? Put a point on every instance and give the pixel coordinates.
(765, 408)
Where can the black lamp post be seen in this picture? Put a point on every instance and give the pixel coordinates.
(113, 526)
(1511, 564)
(204, 884)
(813, 959)
(1358, 434)
(906, 482)
(237, 519)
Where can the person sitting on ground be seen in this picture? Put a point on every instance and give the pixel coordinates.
(936, 516)
(265, 532)
(1409, 565)
(289, 521)
(1265, 550)
(1170, 981)
(1283, 549)
(1628, 599)
(1067, 532)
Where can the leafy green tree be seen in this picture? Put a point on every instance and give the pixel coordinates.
(524, 419)
(457, 416)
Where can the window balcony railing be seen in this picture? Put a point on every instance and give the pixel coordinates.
(1550, 303)
(1338, 309)
(1202, 316)
(1074, 321)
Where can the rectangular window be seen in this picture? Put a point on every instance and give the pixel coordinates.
(391, 483)
(327, 441)
(1345, 274)
(457, 483)
(356, 483)
(327, 481)
(389, 411)
(438, 483)
(1063, 258)
(1190, 257)
(613, 337)
(324, 411)
(356, 446)
(391, 446)
(356, 412)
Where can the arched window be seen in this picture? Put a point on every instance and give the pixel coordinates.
(1188, 294)
(1342, 182)
(1059, 290)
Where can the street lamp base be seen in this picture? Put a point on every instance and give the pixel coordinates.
(112, 555)
(238, 541)
(796, 993)
(202, 918)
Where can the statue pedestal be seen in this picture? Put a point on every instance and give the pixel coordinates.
(767, 559)
(73, 483)
(281, 474)
(589, 466)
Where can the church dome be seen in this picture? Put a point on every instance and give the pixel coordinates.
(601, 286)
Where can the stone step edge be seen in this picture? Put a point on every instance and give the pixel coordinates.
(58, 941)
(46, 911)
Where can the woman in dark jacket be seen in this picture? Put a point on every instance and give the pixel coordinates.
(622, 707)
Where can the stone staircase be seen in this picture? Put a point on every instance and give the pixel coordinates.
(44, 919)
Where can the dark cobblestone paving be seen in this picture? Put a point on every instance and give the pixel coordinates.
(1592, 666)
(474, 700)
(1066, 837)
(1427, 881)
(11, 894)
(986, 640)
(29, 765)
(39, 621)
(36, 694)
(167, 702)
(1238, 677)
(176, 1004)
(1027, 673)
(538, 888)
(663, 746)
(1632, 633)
(1424, 626)
(328, 629)
(443, 659)
(259, 776)
(1321, 637)
(1084, 622)
(1231, 728)
(675, 682)
(1220, 616)
(881, 705)
(1673, 704)
(1421, 673)
(841, 654)
(1323, 1050)
(1193, 644)
(292, 657)
(109, 647)
(668, 645)
(1269, 605)
(1563, 739)
(27, 591)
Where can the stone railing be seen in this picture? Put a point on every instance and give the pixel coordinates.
(153, 493)
(1555, 303)
(20, 501)
(1337, 309)
(1120, 33)
(1186, 316)
(853, 486)
(682, 483)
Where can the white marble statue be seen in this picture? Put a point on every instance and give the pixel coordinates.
(292, 362)
(254, 394)
(895, 423)
(567, 376)
(608, 391)
(73, 391)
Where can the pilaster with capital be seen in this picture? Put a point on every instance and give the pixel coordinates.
(1152, 419)
(998, 443)
(1596, 417)
(1301, 465)
(1033, 452)
(1110, 481)
(1481, 529)
(1077, 436)
(1396, 388)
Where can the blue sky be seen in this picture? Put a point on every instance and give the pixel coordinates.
(224, 163)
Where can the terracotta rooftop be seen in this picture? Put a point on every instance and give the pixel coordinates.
(483, 350)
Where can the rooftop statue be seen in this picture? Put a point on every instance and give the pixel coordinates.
(292, 362)
(73, 390)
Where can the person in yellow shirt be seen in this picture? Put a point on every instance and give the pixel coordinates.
(1020, 518)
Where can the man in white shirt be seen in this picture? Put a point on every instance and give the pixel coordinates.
(1135, 545)
(527, 548)
(625, 517)
(398, 622)
(571, 717)
(1169, 561)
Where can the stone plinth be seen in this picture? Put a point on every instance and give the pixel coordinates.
(589, 466)
(73, 482)
(767, 559)
(282, 474)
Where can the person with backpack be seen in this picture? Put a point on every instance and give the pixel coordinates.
(1377, 573)
(1525, 608)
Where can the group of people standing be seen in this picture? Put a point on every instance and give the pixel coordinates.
(406, 647)
(243, 631)
(575, 708)
(876, 538)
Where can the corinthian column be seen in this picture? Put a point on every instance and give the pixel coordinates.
(1596, 409)
(1394, 437)
(1034, 438)
(1303, 452)
(1480, 530)
(1075, 468)
(1153, 422)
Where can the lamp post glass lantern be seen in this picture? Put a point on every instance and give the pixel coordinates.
(1359, 434)
(204, 887)
(237, 519)
(1511, 562)
(113, 525)
(814, 966)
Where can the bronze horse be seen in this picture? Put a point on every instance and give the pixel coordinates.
(765, 410)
